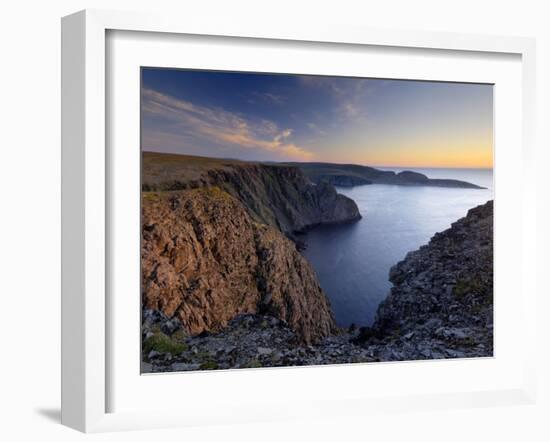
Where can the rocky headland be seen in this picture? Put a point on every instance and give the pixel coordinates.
(349, 175)
(276, 195)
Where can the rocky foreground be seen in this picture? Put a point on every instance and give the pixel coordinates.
(441, 306)
(249, 341)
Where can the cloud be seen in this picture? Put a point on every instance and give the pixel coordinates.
(268, 97)
(284, 134)
(315, 128)
(334, 85)
(350, 109)
(205, 124)
(349, 94)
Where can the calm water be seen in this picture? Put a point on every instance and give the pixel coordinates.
(353, 261)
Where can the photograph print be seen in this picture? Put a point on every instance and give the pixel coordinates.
(305, 220)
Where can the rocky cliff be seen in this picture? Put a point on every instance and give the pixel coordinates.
(205, 260)
(279, 196)
(441, 304)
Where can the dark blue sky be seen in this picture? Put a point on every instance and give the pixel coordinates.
(306, 118)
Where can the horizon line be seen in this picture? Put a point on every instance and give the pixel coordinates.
(325, 162)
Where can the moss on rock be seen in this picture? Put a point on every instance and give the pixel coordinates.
(163, 344)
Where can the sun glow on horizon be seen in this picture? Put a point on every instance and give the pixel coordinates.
(471, 156)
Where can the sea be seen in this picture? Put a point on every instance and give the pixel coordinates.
(352, 261)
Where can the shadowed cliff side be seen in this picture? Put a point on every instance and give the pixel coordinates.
(206, 260)
(276, 195)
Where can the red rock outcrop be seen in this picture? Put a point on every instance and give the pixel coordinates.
(206, 260)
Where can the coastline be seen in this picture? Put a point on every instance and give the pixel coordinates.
(261, 329)
(405, 328)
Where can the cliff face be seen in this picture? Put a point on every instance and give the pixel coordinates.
(282, 197)
(279, 196)
(206, 260)
(441, 304)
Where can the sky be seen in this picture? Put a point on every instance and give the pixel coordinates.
(280, 117)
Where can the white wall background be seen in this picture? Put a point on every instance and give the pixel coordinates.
(30, 215)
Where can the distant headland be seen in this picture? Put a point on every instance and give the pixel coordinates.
(349, 175)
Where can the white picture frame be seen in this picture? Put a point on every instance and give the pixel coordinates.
(86, 316)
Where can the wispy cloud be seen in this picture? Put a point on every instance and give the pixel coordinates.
(330, 84)
(315, 128)
(215, 125)
(348, 93)
(350, 109)
(267, 97)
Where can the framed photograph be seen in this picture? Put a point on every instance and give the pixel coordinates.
(252, 212)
